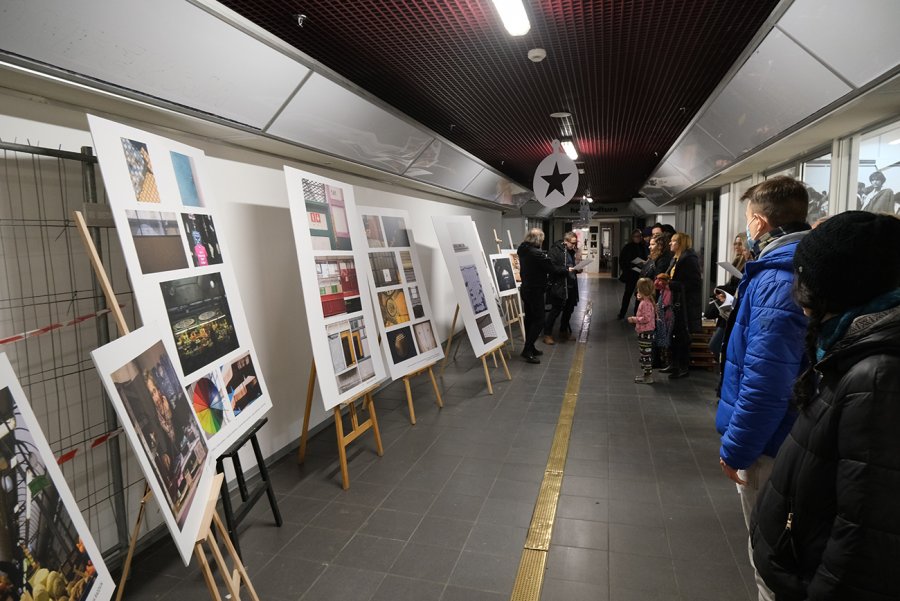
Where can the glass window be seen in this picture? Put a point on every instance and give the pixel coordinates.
(879, 171)
(790, 171)
(816, 175)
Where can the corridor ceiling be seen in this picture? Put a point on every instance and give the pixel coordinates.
(633, 73)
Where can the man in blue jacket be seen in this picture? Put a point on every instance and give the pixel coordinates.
(765, 343)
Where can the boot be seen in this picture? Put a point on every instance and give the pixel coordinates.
(548, 340)
(647, 378)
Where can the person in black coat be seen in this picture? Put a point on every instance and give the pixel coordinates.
(627, 275)
(563, 290)
(534, 267)
(687, 292)
(826, 526)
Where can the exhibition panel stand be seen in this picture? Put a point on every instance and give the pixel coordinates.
(512, 304)
(493, 353)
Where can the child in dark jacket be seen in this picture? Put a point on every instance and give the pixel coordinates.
(645, 324)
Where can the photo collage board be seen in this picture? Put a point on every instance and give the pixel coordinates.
(158, 416)
(179, 268)
(332, 259)
(472, 283)
(399, 296)
(51, 550)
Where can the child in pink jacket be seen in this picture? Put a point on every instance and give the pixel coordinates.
(645, 324)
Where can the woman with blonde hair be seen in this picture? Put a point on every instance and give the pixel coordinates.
(686, 285)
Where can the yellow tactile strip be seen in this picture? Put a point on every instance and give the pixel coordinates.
(530, 577)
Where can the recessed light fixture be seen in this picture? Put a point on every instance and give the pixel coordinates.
(513, 15)
(560, 115)
(569, 147)
(536, 55)
(581, 171)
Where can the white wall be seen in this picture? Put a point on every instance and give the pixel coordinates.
(253, 218)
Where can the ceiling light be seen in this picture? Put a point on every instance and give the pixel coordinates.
(536, 55)
(560, 115)
(581, 171)
(569, 147)
(512, 13)
(894, 142)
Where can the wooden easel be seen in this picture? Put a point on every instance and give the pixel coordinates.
(357, 428)
(409, 399)
(498, 350)
(210, 515)
(207, 536)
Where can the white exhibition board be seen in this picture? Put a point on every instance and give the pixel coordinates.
(342, 326)
(504, 274)
(458, 239)
(39, 507)
(405, 321)
(181, 274)
(142, 384)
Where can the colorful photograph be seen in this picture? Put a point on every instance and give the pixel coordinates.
(140, 169)
(400, 342)
(167, 431)
(425, 338)
(415, 299)
(338, 285)
(395, 232)
(384, 269)
(503, 272)
(186, 177)
(200, 319)
(200, 234)
(42, 550)
(514, 262)
(157, 241)
(209, 403)
(241, 383)
(393, 307)
(327, 217)
(409, 271)
(474, 288)
(374, 233)
(486, 328)
(351, 356)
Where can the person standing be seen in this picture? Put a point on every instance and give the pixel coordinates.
(763, 343)
(686, 284)
(878, 199)
(645, 324)
(535, 266)
(563, 287)
(827, 524)
(634, 249)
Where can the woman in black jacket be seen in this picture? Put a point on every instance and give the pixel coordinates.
(534, 267)
(687, 290)
(827, 524)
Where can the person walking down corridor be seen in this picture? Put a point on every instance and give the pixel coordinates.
(645, 324)
(535, 267)
(827, 523)
(764, 343)
(635, 249)
(563, 291)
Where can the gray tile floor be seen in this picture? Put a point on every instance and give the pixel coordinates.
(644, 514)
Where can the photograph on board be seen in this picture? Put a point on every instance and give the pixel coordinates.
(351, 354)
(395, 232)
(374, 233)
(157, 241)
(140, 170)
(209, 403)
(393, 307)
(241, 383)
(327, 217)
(425, 338)
(338, 285)
(400, 341)
(474, 288)
(186, 178)
(202, 240)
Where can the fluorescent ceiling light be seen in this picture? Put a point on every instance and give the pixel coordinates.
(894, 142)
(569, 147)
(512, 13)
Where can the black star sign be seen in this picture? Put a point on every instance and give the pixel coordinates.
(555, 181)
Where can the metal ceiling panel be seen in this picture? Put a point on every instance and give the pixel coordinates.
(486, 185)
(326, 116)
(699, 155)
(169, 49)
(778, 86)
(443, 165)
(860, 44)
(632, 73)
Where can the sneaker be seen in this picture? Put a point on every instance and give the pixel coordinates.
(531, 359)
(548, 340)
(643, 380)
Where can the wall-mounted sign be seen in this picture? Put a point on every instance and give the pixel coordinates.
(555, 179)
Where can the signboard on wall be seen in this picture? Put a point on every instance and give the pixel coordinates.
(180, 270)
(333, 260)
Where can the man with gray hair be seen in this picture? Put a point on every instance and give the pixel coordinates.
(535, 266)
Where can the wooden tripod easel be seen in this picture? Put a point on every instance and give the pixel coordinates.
(357, 428)
(493, 353)
(434, 384)
(210, 516)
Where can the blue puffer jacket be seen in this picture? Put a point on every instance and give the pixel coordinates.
(765, 355)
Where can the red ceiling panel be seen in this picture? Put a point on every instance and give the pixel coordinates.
(633, 73)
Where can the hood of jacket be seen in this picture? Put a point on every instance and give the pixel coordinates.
(876, 333)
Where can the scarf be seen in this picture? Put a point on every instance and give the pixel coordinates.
(835, 328)
(775, 234)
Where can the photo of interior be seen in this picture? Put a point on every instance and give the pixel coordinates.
(41, 554)
(157, 241)
(140, 169)
(338, 286)
(165, 425)
(186, 178)
(200, 319)
(328, 226)
(241, 383)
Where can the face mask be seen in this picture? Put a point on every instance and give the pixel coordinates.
(750, 241)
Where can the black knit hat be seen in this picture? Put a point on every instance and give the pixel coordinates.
(849, 259)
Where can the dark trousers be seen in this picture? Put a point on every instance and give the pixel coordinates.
(681, 342)
(564, 307)
(627, 297)
(533, 307)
